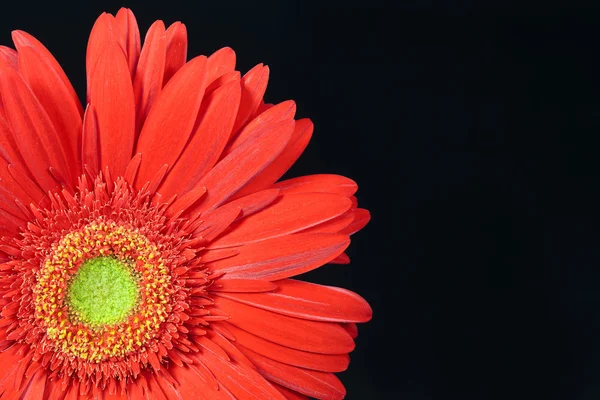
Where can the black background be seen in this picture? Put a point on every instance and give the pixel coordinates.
(472, 131)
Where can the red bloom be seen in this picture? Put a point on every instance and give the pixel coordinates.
(146, 247)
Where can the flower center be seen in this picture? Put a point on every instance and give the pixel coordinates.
(103, 292)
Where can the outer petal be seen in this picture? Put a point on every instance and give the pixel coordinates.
(300, 334)
(309, 301)
(111, 95)
(320, 385)
(63, 110)
(282, 257)
(104, 33)
(298, 142)
(23, 39)
(286, 355)
(288, 214)
(207, 140)
(219, 63)
(170, 123)
(149, 75)
(247, 160)
(324, 183)
(130, 37)
(243, 382)
(34, 134)
(176, 50)
(254, 84)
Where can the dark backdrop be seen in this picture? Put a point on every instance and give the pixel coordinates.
(473, 134)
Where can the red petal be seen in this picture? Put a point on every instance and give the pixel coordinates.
(301, 334)
(282, 257)
(318, 183)
(103, 34)
(300, 138)
(111, 95)
(309, 301)
(207, 141)
(281, 112)
(36, 138)
(8, 57)
(55, 97)
(361, 219)
(36, 386)
(217, 221)
(247, 160)
(193, 384)
(352, 329)
(242, 381)
(286, 355)
(219, 63)
(130, 36)
(150, 71)
(242, 286)
(255, 202)
(23, 39)
(8, 146)
(290, 394)
(333, 226)
(320, 385)
(288, 214)
(177, 43)
(341, 259)
(254, 85)
(90, 155)
(170, 123)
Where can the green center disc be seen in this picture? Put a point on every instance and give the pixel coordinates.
(103, 291)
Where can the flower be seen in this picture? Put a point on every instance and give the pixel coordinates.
(147, 248)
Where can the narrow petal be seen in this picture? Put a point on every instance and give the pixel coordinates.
(103, 34)
(37, 140)
(361, 219)
(290, 394)
(288, 214)
(8, 146)
(302, 133)
(217, 221)
(8, 57)
(282, 257)
(90, 154)
(281, 112)
(324, 183)
(300, 334)
(112, 97)
(207, 140)
(286, 355)
(149, 74)
(242, 381)
(334, 225)
(352, 329)
(320, 385)
(170, 123)
(23, 39)
(177, 44)
(219, 63)
(62, 109)
(130, 34)
(254, 85)
(247, 160)
(242, 286)
(309, 301)
(341, 259)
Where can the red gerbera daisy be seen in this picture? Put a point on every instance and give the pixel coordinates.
(146, 247)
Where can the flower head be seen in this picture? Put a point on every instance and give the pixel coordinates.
(147, 246)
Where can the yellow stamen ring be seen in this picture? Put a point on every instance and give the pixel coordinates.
(71, 334)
